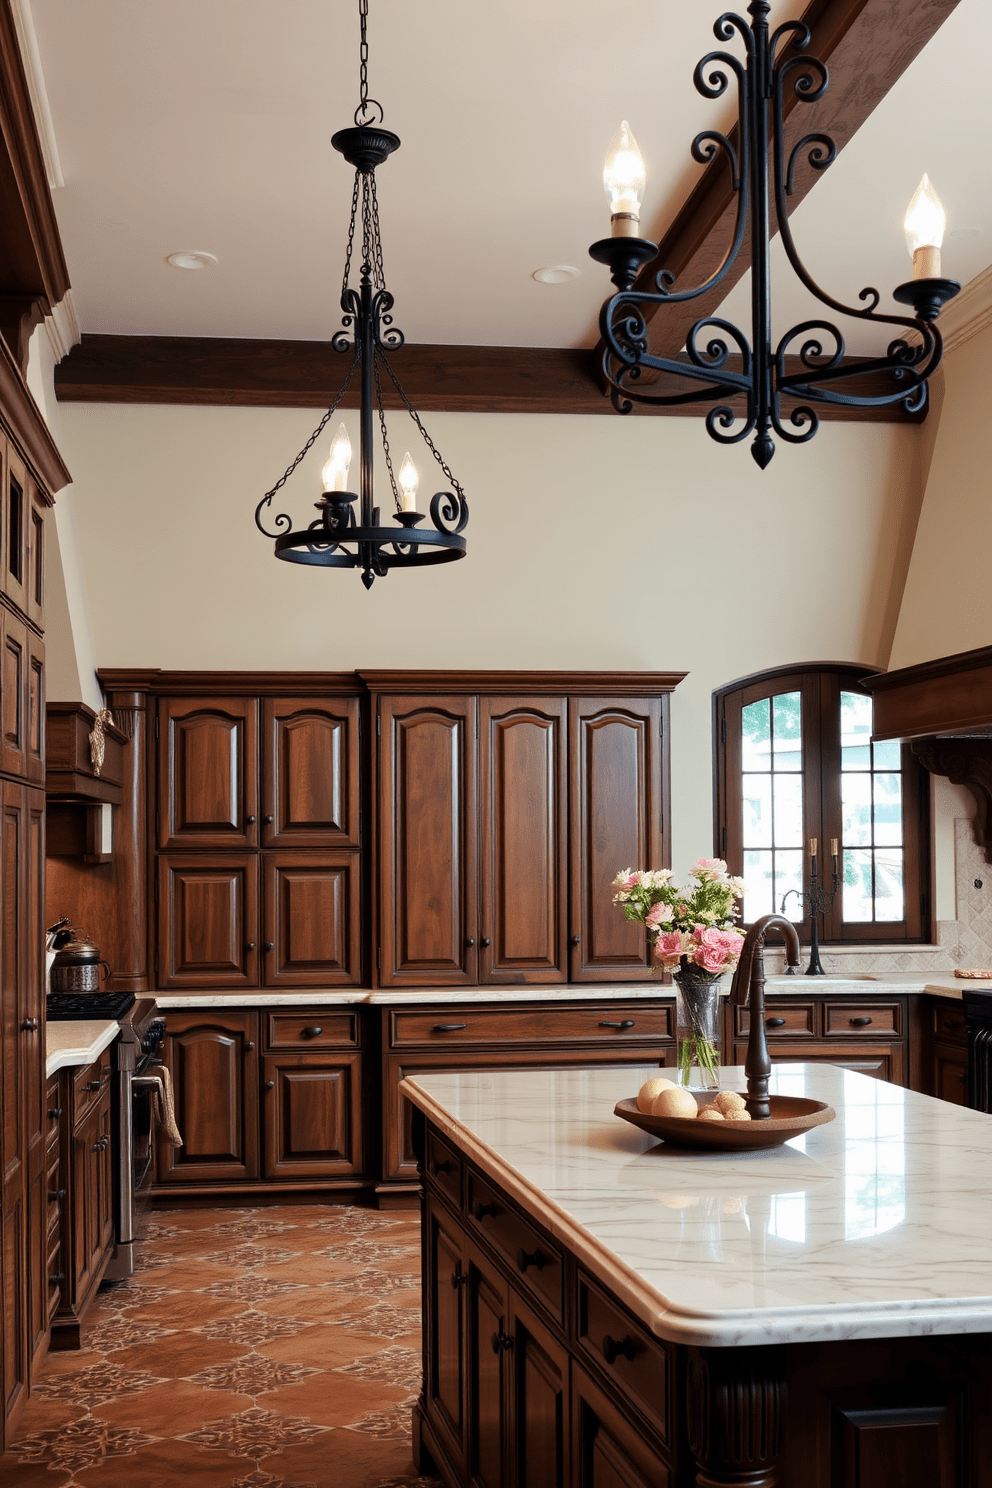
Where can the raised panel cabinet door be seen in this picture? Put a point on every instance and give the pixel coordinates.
(208, 772)
(35, 724)
(618, 783)
(949, 1073)
(18, 1043)
(312, 1115)
(444, 1330)
(14, 704)
(208, 921)
(523, 784)
(213, 1060)
(539, 1404)
(17, 521)
(312, 924)
(36, 557)
(310, 772)
(488, 1342)
(428, 853)
(14, 1335)
(607, 1452)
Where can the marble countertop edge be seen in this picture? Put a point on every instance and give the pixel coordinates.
(77, 1042)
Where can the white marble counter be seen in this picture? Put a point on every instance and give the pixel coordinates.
(415, 996)
(878, 1225)
(77, 1041)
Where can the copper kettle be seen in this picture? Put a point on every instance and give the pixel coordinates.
(76, 967)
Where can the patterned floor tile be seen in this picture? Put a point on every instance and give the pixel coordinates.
(393, 1366)
(121, 1332)
(100, 1382)
(79, 1445)
(381, 1320)
(250, 1254)
(253, 1374)
(253, 1328)
(254, 1433)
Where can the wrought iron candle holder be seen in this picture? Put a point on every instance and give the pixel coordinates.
(815, 901)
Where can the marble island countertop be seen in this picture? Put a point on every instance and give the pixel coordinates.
(878, 1225)
(77, 1041)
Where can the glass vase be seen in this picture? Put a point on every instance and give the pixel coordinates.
(697, 1027)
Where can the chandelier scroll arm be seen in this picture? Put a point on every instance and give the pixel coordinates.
(730, 22)
(283, 522)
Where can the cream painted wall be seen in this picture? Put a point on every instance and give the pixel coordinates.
(946, 607)
(595, 542)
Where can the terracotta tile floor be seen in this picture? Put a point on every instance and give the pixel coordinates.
(253, 1348)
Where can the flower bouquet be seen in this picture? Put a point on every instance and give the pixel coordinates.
(692, 927)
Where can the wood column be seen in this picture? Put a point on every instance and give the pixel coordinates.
(130, 865)
(736, 1410)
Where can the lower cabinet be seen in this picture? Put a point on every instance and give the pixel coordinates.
(264, 1095)
(80, 1195)
(947, 1062)
(869, 1036)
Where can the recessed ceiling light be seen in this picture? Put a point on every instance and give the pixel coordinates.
(191, 259)
(965, 234)
(556, 274)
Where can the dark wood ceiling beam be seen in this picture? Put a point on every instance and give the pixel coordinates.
(867, 46)
(307, 374)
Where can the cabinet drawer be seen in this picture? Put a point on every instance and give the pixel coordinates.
(535, 1265)
(444, 1166)
(635, 1363)
(949, 1024)
(312, 1030)
(89, 1083)
(540, 1024)
(782, 1020)
(876, 1020)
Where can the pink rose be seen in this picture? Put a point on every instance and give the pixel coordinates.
(654, 915)
(631, 882)
(711, 958)
(668, 947)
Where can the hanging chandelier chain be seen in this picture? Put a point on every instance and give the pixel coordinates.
(423, 432)
(315, 435)
(379, 270)
(382, 426)
(366, 104)
(351, 239)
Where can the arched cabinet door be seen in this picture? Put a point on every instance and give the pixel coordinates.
(428, 854)
(213, 1060)
(208, 772)
(619, 820)
(310, 772)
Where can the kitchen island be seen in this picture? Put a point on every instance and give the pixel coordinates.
(604, 1310)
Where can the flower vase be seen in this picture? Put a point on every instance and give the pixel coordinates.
(697, 1026)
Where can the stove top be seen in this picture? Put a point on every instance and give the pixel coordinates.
(63, 1006)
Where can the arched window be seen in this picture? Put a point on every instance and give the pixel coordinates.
(795, 763)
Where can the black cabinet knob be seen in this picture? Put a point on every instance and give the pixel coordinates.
(249, 1045)
(624, 1023)
(30, 1025)
(100, 1145)
(953, 1022)
(269, 945)
(270, 1084)
(249, 821)
(860, 1022)
(56, 1195)
(57, 1279)
(448, 1027)
(92, 1084)
(313, 1032)
(268, 820)
(501, 1341)
(444, 1166)
(485, 942)
(535, 1258)
(481, 1211)
(575, 940)
(626, 1348)
(55, 1114)
(774, 1022)
(471, 941)
(250, 946)
(458, 1277)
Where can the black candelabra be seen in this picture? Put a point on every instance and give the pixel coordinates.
(815, 901)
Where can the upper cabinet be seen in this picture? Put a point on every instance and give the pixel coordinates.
(208, 772)
(310, 795)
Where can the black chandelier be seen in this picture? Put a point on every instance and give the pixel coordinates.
(819, 375)
(335, 539)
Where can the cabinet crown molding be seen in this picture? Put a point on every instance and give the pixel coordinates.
(280, 684)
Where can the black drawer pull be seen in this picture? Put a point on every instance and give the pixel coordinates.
(57, 1279)
(458, 1277)
(56, 1195)
(313, 1032)
(535, 1258)
(774, 1022)
(860, 1022)
(30, 1025)
(501, 1341)
(480, 1210)
(249, 1045)
(485, 942)
(444, 1166)
(953, 1022)
(92, 1084)
(624, 1023)
(448, 1027)
(270, 1084)
(101, 1143)
(55, 1114)
(626, 1348)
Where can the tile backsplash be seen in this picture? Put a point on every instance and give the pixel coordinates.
(965, 941)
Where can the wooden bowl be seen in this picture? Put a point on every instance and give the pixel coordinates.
(790, 1117)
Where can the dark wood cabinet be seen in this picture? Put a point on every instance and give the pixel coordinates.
(312, 1115)
(488, 1339)
(79, 1195)
(208, 772)
(310, 774)
(946, 1057)
(444, 1330)
(311, 919)
(608, 1451)
(428, 850)
(91, 1203)
(213, 1059)
(14, 667)
(869, 1035)
(523, 796)
(208, 920)
(618, 787)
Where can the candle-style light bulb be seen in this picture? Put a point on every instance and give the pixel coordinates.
(623, 178)
(924, 228)
(335, 471)
(409, 480)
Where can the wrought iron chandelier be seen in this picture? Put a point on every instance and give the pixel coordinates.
(820, 374)
(334, 539)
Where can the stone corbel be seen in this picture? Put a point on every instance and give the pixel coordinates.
(966, 762)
